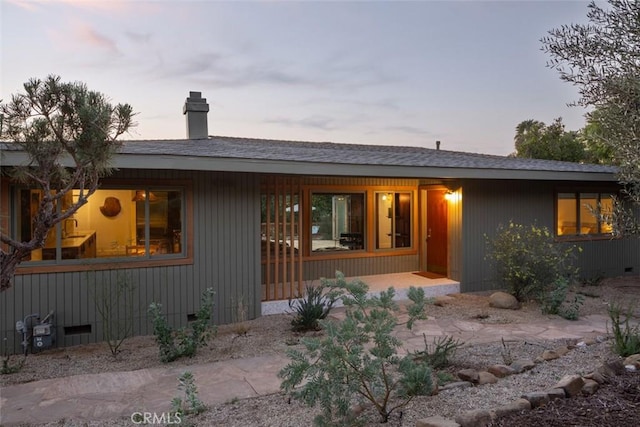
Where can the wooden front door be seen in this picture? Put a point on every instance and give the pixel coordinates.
(437, 248)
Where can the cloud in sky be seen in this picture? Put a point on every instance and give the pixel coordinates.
(136, 37)
(406, 72)
(89, 35)
(315, 122)
(413, 130)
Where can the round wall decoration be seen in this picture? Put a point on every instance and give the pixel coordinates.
(111, 207)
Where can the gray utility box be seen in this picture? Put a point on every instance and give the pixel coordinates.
(42, 336)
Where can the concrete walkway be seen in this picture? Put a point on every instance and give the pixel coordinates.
(120, 394)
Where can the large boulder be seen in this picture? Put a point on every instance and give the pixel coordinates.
(503, 300)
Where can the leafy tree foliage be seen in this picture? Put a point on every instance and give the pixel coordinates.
(602, 59)
(536, 140)
(528, 260)
(592, 137)
(69, 135)
(358, 358)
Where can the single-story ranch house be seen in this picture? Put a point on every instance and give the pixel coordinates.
(256, 219)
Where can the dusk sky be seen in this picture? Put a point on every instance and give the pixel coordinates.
(393, 73)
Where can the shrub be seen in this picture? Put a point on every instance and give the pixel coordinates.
(189, 403)
(439, 354)
(626, 338)
(357, 359)
(240, 316)
(315, 305)
(10, 368)
(571, 311)
(507, 357)
(527, 260)
(550, 301)
(186, 341)
(554, 301)
(115, 306)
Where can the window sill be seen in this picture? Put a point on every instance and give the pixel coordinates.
(113, 264)
(585, 237)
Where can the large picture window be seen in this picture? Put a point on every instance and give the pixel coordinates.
(393, 220)
(576, 213)
(337, 222)
(115, 223)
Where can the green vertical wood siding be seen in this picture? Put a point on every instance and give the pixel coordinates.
(356, 267)
(227, 253)
(487, 204)
(455, 233)
(226, 215)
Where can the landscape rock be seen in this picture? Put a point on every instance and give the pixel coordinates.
(501, 371)
(522, 365)
(571, 384)
(536, 398)
(470, 375)
(443, 300)
(476, 418)
(556, 393)
(436, 421)
(486, 378)
(590, 387)
(634, 360)
(512, 408)
(607, 370)
(561, 351)
(549, 355)
(503, 300)
(597, 377)
(456, 385)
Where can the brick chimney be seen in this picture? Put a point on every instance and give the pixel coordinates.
(196, 109)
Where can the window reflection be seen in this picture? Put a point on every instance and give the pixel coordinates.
(578, 213)
(114, 223)
(337, 222)
(393, 220)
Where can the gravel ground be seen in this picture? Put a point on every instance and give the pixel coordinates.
(272, 334)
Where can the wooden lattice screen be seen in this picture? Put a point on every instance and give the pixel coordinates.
(282, 233)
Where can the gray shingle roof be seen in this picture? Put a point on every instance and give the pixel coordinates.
(219, 153)
(346, 154)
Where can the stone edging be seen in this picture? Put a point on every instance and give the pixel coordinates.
(569, 386)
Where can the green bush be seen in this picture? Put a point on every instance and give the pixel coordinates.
(626, 338)
(554, 301)
(571, 310)
(527, 259)
(186, 341)
(189, 403)
(315, 305)
(7, 367)
(438, 355)
(358, 359)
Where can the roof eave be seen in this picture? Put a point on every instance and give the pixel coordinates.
(126, 161)
(137, 161)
